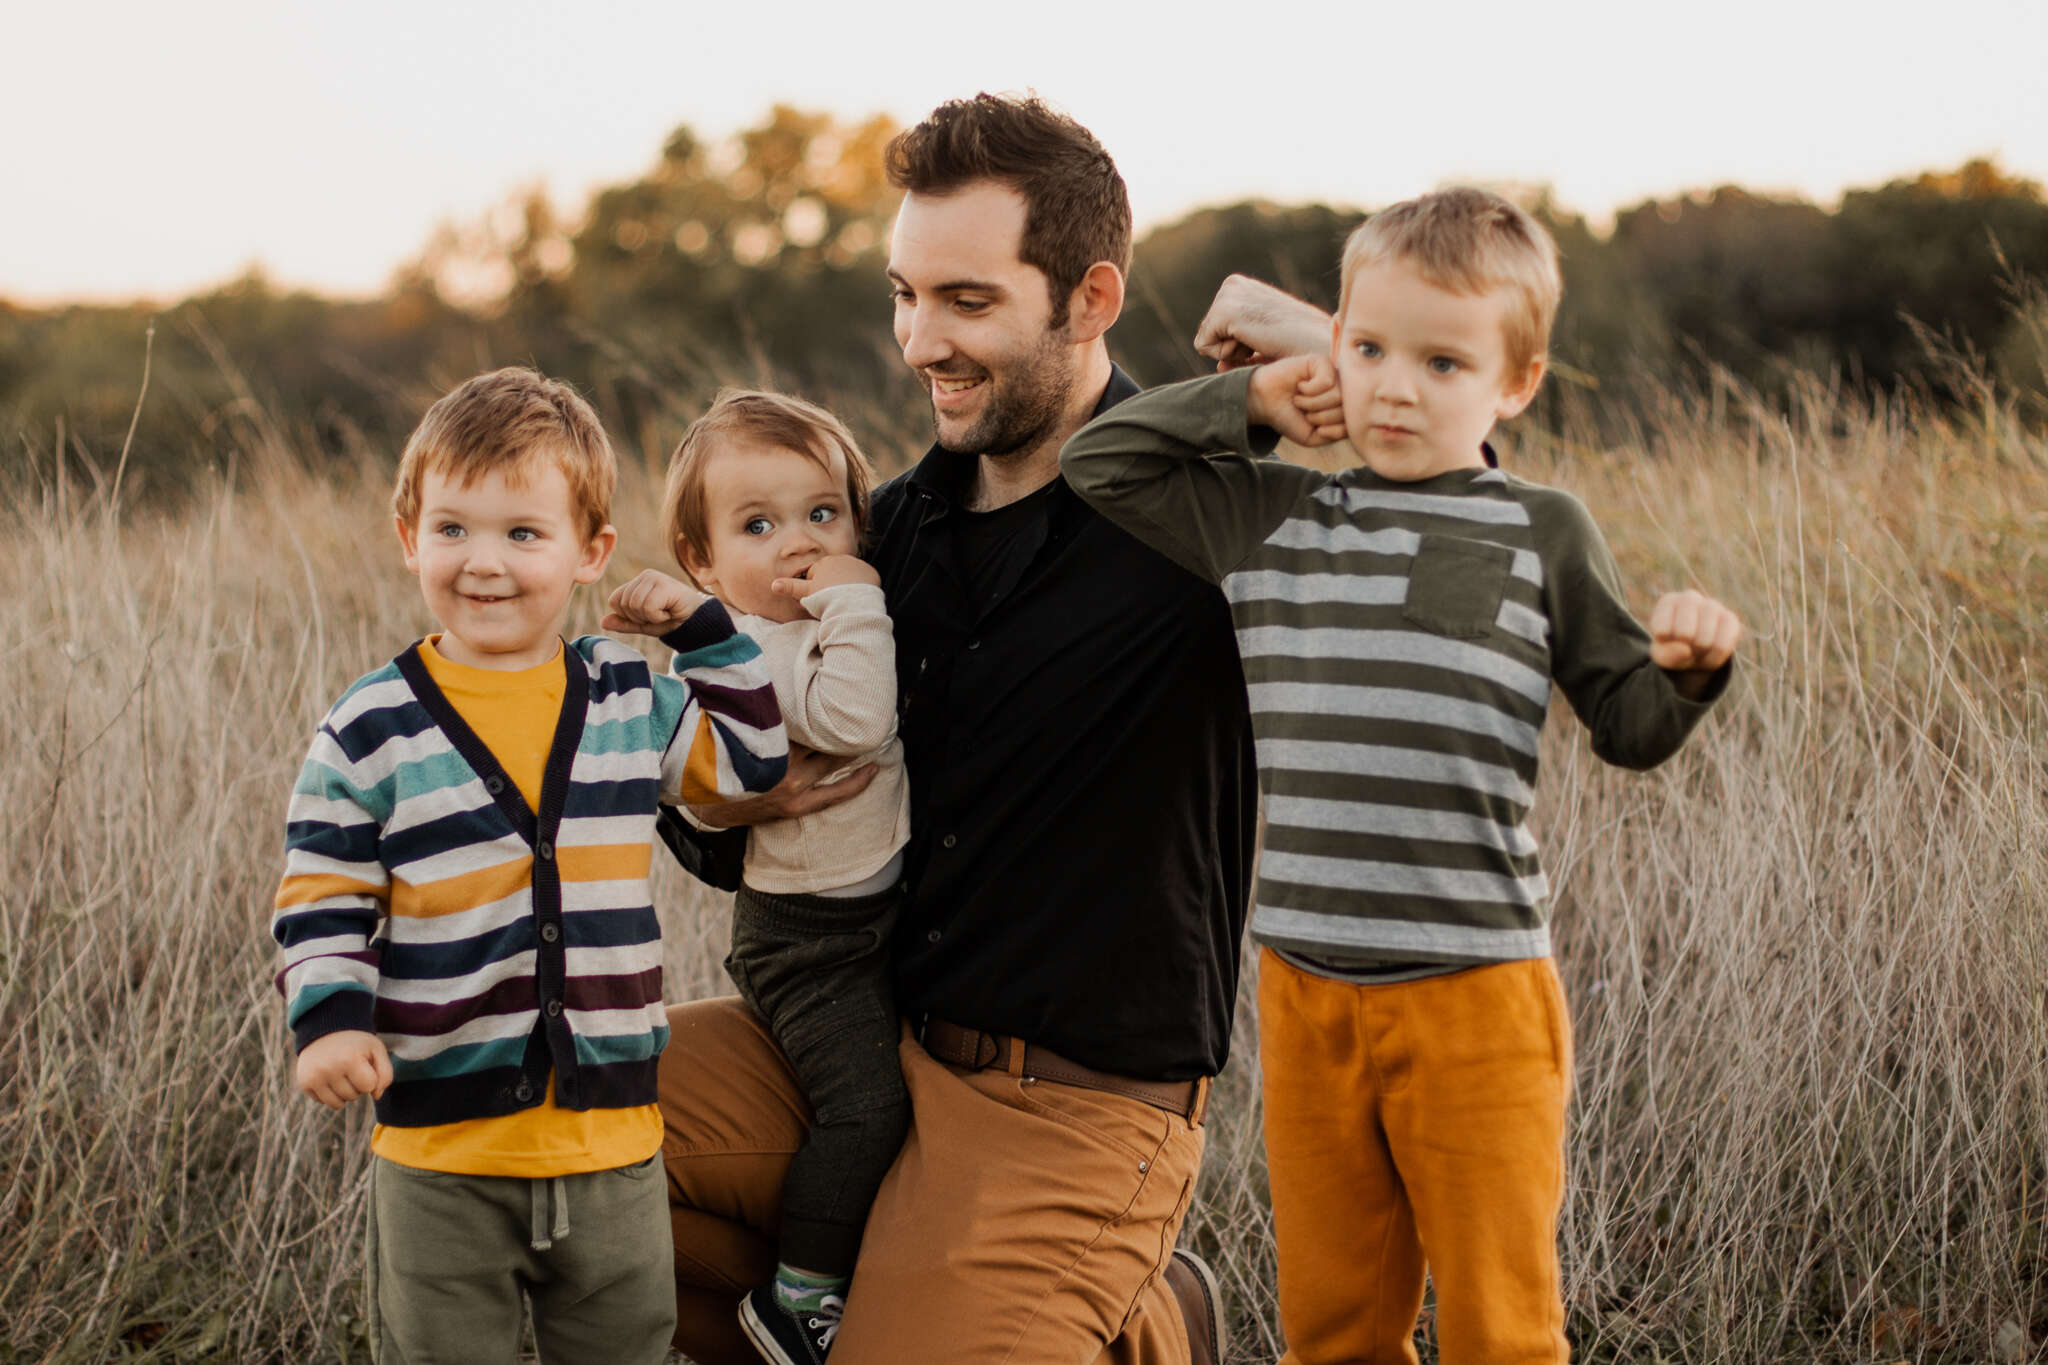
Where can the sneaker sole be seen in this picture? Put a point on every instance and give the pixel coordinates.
(758, 1334)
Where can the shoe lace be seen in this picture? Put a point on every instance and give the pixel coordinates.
(825, 1322)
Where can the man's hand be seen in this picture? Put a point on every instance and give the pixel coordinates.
(1691, 636)
(338, 1067)
(829, 572)
(654, 603)
(1250, 322)
(798, 793)
(1298, 398)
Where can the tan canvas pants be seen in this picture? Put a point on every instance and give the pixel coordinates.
(1025, 1221)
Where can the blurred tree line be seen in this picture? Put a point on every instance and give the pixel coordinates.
(760, 261)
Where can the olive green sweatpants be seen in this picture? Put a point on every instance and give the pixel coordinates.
(450, 1255)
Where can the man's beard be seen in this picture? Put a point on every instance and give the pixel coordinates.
(1030, 402)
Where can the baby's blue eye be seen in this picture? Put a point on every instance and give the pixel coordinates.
(756, 526)
(823, 513)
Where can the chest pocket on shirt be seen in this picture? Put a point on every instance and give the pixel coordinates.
(1456, 585)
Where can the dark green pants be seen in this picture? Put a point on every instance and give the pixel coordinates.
(450, 1255)
(816, 968)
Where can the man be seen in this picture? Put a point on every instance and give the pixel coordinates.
(1074, 723)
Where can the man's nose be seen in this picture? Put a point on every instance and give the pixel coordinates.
(922, 334)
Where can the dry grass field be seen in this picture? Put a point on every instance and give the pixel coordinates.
(1807, 957)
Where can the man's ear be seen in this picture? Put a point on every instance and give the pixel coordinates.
(1095, 303)
(597, 552)
(1514, 399)
(408, 537)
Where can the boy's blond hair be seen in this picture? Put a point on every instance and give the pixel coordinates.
(504, 421)
(1469, 241)
(775, 421)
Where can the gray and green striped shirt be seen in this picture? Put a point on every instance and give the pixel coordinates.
(1399, 643)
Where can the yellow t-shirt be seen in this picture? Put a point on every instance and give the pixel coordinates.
(515, 715)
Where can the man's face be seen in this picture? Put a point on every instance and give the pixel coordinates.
(974, 321)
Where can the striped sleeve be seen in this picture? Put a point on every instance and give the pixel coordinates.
(334, 892)
(718, 707)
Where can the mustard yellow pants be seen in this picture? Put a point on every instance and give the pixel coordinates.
(1417, 1124)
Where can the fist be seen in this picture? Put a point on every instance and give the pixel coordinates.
(1299, 398)
(1692, 633)
(829, 572)
(654, 603)
(338, 1067)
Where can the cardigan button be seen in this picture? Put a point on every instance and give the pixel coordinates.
(554, 1009)
(523, 1092)
(550, 932)
(546, 851)
(494, 785)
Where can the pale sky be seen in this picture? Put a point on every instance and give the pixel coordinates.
(154, 149)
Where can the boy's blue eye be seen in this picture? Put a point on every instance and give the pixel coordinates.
(1369, 349)
(524, 533)
(756, 526)
(823, 513)
(1443, 364)
(448, 530)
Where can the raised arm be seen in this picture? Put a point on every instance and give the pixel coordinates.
(1250, 322)
(728, 737)
(1178, 467)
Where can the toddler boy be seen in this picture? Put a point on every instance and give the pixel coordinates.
(1401, 625)
(466, 926)
(767, 499)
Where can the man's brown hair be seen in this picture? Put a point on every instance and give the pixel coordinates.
(1469, 241)
(1076, 209)
(751, 417)
(504, 421)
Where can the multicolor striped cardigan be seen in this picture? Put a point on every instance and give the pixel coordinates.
(488, 946)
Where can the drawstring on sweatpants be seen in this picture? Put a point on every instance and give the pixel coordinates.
(543, 1235)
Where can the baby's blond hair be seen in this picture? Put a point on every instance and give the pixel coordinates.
(1469, 241)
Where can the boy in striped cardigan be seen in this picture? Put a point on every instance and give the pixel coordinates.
(467, 932)
(1401, 627)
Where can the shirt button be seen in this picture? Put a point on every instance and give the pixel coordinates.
(554, 1009)
(523, 1093)
(949, 841)
(549, 933)
(546, 851)
(932, 936)
(494, 785)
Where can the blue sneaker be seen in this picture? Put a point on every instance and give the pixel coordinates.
(784, 1337)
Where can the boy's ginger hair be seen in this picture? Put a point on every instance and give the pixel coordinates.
(505, 420)
(778, 421)
(1469, 241)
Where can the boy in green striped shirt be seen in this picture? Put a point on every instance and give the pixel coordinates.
(1401, 626)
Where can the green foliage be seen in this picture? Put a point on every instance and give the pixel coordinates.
(763, 257)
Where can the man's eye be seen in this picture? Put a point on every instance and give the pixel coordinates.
(971, 305)
(823, 513)
(757, 526)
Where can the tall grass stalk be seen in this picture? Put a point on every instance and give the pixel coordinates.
(1807, 956)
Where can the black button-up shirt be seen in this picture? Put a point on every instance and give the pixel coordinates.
(1082, 786)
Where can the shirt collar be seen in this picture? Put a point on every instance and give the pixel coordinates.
(949, 474)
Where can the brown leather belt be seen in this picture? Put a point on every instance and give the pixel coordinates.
(978, 1051)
